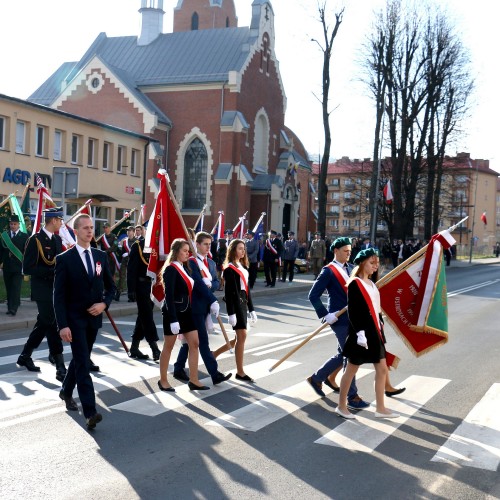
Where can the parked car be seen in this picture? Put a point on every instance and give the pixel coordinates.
(300, 266)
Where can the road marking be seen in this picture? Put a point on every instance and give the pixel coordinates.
(290, 344)
(476, 442)
(257, 415)
(472, 287)
(277, 335)
(157, 403)
(366, 432)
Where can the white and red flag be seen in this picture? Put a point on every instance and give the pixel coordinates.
(218, 230)
(164, 226)
(239, 229)
(388, 193)
(44, 201)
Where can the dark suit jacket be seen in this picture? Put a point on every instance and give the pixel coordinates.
(203, 296)
(35, 265)
(270, 256)
(136, 267)
(232, 295)
(11, 264)
(75, 292)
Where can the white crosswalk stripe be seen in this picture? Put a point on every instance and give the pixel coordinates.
(476, 442)
(366, 432)
(258, 415)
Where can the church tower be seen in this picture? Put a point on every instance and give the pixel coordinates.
(152, 21)
(191, 15)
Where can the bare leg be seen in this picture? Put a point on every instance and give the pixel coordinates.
(239, 350)
(380, 380)
(192, 340)
(168, 345)
(331, 377)
(223, 348)
(345, 383)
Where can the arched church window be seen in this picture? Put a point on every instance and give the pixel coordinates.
(194, 191)
(227, 22)
(261, 143)
(194, 21)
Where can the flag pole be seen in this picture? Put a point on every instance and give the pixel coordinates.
(213, 229)
(4, 202)
(118, 223)
(200, 216)
(305, 341)
(262, 215)
(79, 211)
(191, 246)
(244, 216)
(25, 191)
(111, 320)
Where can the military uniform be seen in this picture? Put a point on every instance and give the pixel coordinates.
(109, 244)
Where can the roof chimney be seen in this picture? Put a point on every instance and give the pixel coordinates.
(152, 21)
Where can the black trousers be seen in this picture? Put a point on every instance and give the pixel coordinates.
(288, 266)
(145, 326)
(13, 282)
(45, 326)
(270, 269)
(252, 274)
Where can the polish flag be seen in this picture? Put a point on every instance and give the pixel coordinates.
(483, 218)
(388, 193)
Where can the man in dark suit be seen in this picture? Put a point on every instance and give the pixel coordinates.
(83, 290)
(273, 249)
(40, 263)
(11, 255)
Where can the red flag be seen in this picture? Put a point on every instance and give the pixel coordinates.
(388, 193)
(483, 218)
(44, 201)
(239, 229)
(164, 226)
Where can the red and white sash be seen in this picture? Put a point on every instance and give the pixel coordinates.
(203, 265)
(270, 246)
(243, 277)
(340, 276)
(185, 276)
(126, 248)
(370, 305)
(107, 246)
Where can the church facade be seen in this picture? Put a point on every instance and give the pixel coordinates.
(211, 94)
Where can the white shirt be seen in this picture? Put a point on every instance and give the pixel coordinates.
(341, 266)
(47, 232)
(82, 255)
(245, 273)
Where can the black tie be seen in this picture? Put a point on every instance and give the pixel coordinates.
(89, 264)
(346, 268)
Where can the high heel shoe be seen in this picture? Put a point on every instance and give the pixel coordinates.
(194, 387)
(165, 389)
(395, 392)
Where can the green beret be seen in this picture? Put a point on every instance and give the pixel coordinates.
(340, 242)
(365, 254)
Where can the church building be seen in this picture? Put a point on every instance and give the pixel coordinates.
(210, 92)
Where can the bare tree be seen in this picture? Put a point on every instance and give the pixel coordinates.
(326, 47)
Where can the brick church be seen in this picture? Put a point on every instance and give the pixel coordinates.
(211, 93)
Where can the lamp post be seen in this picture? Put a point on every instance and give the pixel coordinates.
(473, 212)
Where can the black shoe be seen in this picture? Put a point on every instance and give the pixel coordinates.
(52, 360)
(220, 377)
(156, 352)
(137, 354)
(70, 402)
(244, 378)
(165, 389)
(395, 393)
(194, 387)
(93, 421)
(331, 386)
(317, 387)
(284, 281)
(60, 375)
(181, 375)
(11, 313)
(272, 286)
(93, 367)
(269, 284)
(117, 296)
(27, 362)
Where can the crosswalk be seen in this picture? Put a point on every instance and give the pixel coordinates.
(475, 442)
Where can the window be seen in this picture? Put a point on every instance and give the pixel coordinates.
(2, 132)
(195, 176)
(334, 223)
(346, 223)
(20, 137)
(100, 215)
(40, 140)
(194, 21)
(134, 162)
(91, 148)
(75, 149)
(335, 209)
(261, 142)
(335, 196)
(335, 182)
(347, 196)
(58, 144)
(106, 156)
(120, 214)
(120, 158)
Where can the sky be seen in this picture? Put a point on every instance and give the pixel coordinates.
(37, 36)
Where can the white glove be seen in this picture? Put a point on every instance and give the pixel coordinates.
(214, 309)
(207, 282)
(253, 316)
(209, 324)
(232, 319)
(175, 328)
(362, 339)
(331, 318)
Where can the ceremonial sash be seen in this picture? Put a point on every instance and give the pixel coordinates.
(126, 248)
(107, 246)
(340, 277)
(185, 276)
(12, 248)
(205, 272)
(243, 278)
(369, 303)
(270, 247)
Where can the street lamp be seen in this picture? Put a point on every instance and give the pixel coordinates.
(473, 211)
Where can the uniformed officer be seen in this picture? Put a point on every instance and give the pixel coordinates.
(273, 248)
(109, 244)
(39, 263)
(126, 245)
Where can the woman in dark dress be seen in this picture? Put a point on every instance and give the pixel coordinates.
(177, 316)
(238, 302)
(366, 339)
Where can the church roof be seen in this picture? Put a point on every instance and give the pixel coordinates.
(185, 57)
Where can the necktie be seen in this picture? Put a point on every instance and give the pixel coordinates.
(346, 268)
(89, 264)
(13, 234)
(205, 261)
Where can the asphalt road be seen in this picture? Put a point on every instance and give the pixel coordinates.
(275, 438)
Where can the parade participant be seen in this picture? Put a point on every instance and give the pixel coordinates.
(83, 290)
(365, 340)
(252, 248)
(273, 248)
(139, 231)
(109, 244)
(11, 256)
(40, 263)
(289, 256)
(238, 303)
(333, 278)
(139, 290)
(179, 283)
(126, 245)
(317, 253)
(205, 268)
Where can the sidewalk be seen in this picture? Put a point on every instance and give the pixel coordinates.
(26, 315)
